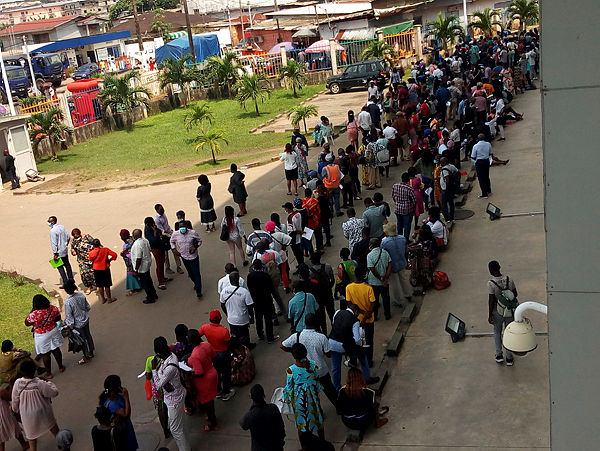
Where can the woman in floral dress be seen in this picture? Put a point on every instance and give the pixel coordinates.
(302, 392)
(132, 284)
(507, 79)
(302, 153)
(80, 248)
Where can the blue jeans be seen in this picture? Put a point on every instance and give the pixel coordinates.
(500, 321)
(448, 205)
(336, 367)
(404, 223)
(193, 270)
(334, 198)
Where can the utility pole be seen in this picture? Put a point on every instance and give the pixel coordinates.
(242, 19)
(189, 30)
(137, 29)
(277, 21)
(11, 105)
(466, 19)
(31, 73)
(250, 14)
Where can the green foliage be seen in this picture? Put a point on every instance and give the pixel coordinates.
(159, 26)
(126, 6)
(301, 113)
(252, 87)
(48, 125)
(197, 114)
(30, 101)
(445, 30)
(224, 70)
(293, 73)
(119, 94)
(526, 12)
(212, 140)
(378, 50)
(178, 72)
(485, 21)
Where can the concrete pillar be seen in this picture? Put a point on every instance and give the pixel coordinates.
(380, 35)
(418, 42)
(283, 54)
(334, 67)
(64, 106)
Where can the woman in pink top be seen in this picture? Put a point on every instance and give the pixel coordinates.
(416, 183)
(352, 129)
(205, 377)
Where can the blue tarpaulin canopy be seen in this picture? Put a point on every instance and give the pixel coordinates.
(85, 40)
(204, 46)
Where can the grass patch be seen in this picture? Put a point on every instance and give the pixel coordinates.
(160, 141)
(15, 304)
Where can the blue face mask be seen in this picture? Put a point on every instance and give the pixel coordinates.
(49, 224)
(182, 229)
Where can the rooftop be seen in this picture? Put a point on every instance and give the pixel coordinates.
(37, 25)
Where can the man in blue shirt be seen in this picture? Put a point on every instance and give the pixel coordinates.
(395, 245)
(59, 241)
(299, 306)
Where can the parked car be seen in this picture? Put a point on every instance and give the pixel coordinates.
(359, 74)
(85, 71)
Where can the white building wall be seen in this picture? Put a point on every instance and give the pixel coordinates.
(67, 31)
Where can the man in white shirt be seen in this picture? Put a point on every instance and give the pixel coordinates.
(445, 185)
(59, 241)
(364, 120)
(141, 258)
(224, 281)
(317, 348)
(236, 303)
(480, 155)
(531, 55)
(280, 243)
(372, 90)
(162, 223)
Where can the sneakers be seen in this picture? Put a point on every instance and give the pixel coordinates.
(228, 396)
(500, 358)
(481, 196)
(509, 362)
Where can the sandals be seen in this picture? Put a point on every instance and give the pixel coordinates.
(83, 361)
(289, 193)
(383, 411)
(111, 300)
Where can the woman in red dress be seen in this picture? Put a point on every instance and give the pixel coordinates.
(205, 377)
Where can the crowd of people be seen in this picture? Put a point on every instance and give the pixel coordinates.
(443, 115)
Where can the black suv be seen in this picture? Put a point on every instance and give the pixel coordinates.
(358, 74)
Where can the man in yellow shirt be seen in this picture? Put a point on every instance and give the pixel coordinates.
(362, 295)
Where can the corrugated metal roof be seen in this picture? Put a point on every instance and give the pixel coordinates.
(37, 25)
(355, 35)
(323, 8)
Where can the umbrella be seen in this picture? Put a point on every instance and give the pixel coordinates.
(323, 46)
(304, 33)
(276, 48)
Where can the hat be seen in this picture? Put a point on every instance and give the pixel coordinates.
(312, 173)
(214, 315)
(64, 439)
(427, 131)
(329, 157)
(298, 203)
(298, 140)
(270, 226)
(288, 206)
(180, 213)
(390, 229)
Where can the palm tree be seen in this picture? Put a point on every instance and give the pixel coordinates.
(445, 30)
(119, 94)
(485, 21)
(293, 73)
(48, 125)
(197, 114)
(301, 113)
(251, 87)
(212, 139)
(378, 50)
(177, 71)
(526, 12)
(225, 70)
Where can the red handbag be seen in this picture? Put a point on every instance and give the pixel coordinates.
(440, 280)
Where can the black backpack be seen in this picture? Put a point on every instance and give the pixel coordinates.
(325, 294)
(454, 180)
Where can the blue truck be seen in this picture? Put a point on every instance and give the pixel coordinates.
(18, 82)
(47, 67)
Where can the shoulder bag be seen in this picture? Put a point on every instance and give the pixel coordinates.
(295, 324)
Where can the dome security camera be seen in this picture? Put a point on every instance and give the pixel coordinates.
(519, 337)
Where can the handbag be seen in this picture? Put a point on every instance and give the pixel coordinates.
(224, 233)
(165, 242)
(440, 280)
(285, 407)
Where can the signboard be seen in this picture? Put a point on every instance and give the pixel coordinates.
(102, 54)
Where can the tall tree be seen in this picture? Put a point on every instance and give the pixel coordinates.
(252, 87)
(48, 125)
(526, 12)
(211, 139)
(445, 30)
(188, 27)
(137, 27)
(119, 93)
(485, 21)
(224, 70)
(293, 73)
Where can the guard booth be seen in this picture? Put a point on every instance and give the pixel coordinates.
(15, 138)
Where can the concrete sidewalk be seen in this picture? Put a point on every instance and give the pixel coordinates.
(455, 396)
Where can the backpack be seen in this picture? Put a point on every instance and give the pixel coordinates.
(383, 155)
(271, 268)
(182, 378)
(370, 153)
(322, 279)
(506, 298)
(454, 181)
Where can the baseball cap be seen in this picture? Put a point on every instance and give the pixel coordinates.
(215, 315)
(297, 202)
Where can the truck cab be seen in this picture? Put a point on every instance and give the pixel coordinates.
(18, 82)
(47, 67)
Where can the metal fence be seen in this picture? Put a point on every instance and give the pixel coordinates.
(84, 107)
(41, 107)
(353, 51)
(403, 43)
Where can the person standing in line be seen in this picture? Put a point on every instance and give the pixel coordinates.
(208, 216)
(166, 376)
(115, 398)
(10, 169)
(361, 294)
(404, 203)
(255, 237)
(295, 230)
(101, 257)
(224, 281)
(332, 179)
(9, 426)
(290, 160)
(237, 304)
(267, 431)
(352, 228)
(235, 233)
(297, 134)
(300, 305)
(188, 241)
(32, 400)
(322, 196)
(205, 378)
(218, 337)
(141, 258)
(162, 223)
(132, 284)
(364, 121)
(238, 189)
(396, 246)
(157, 246)
(77, 317)
(317, 347)
(280, 243)
(352, 129)
(313, 208)
(480, 156)
(80, 248)
(59, 241)
(379, 264)
(260, 286)
(498, 314)
(447, 189)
